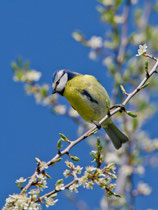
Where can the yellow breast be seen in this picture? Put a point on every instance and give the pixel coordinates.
(87, 96)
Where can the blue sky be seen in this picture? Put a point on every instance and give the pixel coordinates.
(40, 31)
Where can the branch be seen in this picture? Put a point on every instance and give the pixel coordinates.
(90, 131)
(124, 39)
(56, 191)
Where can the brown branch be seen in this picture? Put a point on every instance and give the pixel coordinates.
(92, 129)
(56, 191)
(124, 39)
(146, 15)
(150, 56)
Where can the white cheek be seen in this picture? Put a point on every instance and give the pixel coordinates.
(62, 83)
(59, 74)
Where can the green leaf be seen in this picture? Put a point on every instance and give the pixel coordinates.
(37, 160)
(19, 62)
(63, 137)
(14, 66)
(48, 176)
(54, 195)
(43, 91)
(144, 86)
(118, 78)
(60, 181)
(59, 145)
(117, 195)
(146, 67)
(123, 90)
(74, 158)
(98, 145)
(93, 160)
(26, 65)
(110, 167)
(92, 154)
(18, 185)
(92, 133)
(131, 114)
(114, 176)
(59, 159)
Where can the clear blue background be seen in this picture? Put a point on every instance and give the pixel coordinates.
(40, 31)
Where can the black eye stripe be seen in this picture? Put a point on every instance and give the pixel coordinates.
(57, 83)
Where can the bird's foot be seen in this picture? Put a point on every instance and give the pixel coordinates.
(119, 105)
(98, 125)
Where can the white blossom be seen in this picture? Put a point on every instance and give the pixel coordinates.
(73, 113)
(142, 49)
(90, 168)
(34, 206)
(66, 173)
(69, 164)
(112, 157)
(60, 109)
(74, 187)
(43, 165)
(92, 55)
(19, 202)
(21, 180)
(89, 185)
(50, 201)
(99, 172)
(41, 93)
(144, 188)
(77, 36)
(59, 185)
(34, 193)
(49, 100)
(40, 176)
(155, 144)
(83, 180)
(107, 61)
(80, 130)
(31, 75)
(42, 183)
(95, 42)
(38, 97)
(94, 151)
(118, 19)
(101, 182)
(126, 170)
(140, 170)
(108, 2)
(78, 169)
(138, 38)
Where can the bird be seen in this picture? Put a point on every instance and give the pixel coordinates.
(89, 98)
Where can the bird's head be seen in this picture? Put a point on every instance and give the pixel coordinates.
(60, 80)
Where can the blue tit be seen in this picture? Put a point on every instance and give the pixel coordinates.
(89, 98)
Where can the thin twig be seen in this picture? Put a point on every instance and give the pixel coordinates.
(56, 191)
(150, 56)
(124, 39)
(146, 15)
(92, 129)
